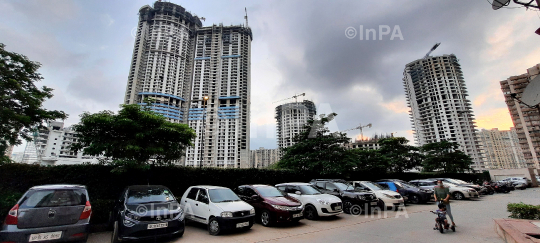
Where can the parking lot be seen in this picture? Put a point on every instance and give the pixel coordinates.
(473, 218)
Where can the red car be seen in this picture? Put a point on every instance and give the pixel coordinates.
(271, 205)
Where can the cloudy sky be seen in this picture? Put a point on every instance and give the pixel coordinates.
(299, 46)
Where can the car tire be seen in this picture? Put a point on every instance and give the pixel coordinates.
(458, 196)
(355, 209)
(114, 236)
(266, 218)
(415, 199)
(213, 227)
(310, 212)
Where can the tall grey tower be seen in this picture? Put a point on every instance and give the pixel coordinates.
(291, 118)
(162, 60)
(222, 72)
(440, 110)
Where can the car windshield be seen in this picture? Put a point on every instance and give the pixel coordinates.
(53, 198)
(222, 195)
(454, 181)
(269, 191)
(149, 195)
(372, 186)
(342, 186)
(309, 190)
(407, 185)
(428, 183)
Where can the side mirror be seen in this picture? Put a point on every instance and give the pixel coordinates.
(255, 197)
(298, 193)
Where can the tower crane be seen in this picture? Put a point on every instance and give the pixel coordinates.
(295, 97)
(359, 127)
(432, 49)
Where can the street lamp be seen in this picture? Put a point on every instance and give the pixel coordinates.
(205, 101)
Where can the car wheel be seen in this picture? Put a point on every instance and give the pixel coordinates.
(355, 209)
(310, 212)
(458, 196)
(114, 236)
(415, 199)
(347, 206)
(213, 227)
(266, 218)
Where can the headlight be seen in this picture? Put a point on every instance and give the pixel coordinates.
(361, 197)
(252, 211)
(132, 216)
(226, 214)
(388, 195)
(470, 190)
(285, 208)
(323, 202)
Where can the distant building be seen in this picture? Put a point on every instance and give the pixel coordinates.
(440, 110)
(17, 156)
(367, 144)
(262, 158)
(291, 118)
(9, 150)
(526, 120)
(501, 149)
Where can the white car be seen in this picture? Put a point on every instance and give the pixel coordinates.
(387, 198)
(316, 203)
(218, 207)
(519, 182)
(457, 192)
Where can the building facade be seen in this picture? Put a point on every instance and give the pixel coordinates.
(290, 120)
(526, 120)
(262, 158)
(501, 149)
(440, 110)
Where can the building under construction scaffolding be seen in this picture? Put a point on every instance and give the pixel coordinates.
(290, 120)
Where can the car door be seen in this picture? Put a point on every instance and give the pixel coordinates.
(248, 194)
(201, 210)
(189, 203)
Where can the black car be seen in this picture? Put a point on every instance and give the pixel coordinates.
(412, 192)
(146, 212)
(353, 201)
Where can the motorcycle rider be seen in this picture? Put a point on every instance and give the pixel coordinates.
(442, 195)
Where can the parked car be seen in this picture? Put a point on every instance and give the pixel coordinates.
(316, 203)
(353, 202)
(51, 213)
(457, 192)
(146, 212)
(479, 189)
(412, 192)
(519, 182)
(271, 205)
(387, 198)
(218, 207)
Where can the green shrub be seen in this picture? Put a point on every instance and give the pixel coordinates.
(524, 211)
(8, 199)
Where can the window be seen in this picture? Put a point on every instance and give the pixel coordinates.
(202, 196)
(193, 193)
(330, 186)
(54, 198)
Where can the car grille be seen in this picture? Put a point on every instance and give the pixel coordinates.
(161, 217)
(240, 213)
(334, 205)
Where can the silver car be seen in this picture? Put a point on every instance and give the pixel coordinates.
(519, 182)
(50, 213)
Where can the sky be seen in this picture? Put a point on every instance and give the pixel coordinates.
(299, 46)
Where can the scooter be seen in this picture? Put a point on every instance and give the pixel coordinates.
(440, 225)
(489, 188)
(501, 187)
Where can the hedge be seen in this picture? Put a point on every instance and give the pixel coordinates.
(104, 187)
(524, 211)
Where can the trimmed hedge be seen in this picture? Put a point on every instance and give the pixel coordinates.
(524, 211)
(104, 187)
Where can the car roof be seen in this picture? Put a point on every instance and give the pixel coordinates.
(294, 184)
(144, 187)
(58, 186)
(210, 187)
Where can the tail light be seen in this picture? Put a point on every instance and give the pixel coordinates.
(87, 211)
(11, 218)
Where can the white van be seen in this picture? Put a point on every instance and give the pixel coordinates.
(218, 207)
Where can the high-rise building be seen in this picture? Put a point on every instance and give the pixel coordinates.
(177, 63)
(436, 93)
(222, 72)
(501, 149)
(9, 150)
(290, 120)
(161, 65)
(262, 158)
(526, 120)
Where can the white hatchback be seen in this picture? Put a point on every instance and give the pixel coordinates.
(218, 207)
(387, 198)
(316, 204)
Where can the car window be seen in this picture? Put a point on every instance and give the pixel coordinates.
(309, 190)
(53, 198)
(148, 195)
(385, 186)
(193, 193)
(398, 185)
(282, 188)
(202, 197)
(248, 192)
(373, 186)
(330, 186)
(222, 195)
(269, 191)
(320, 185)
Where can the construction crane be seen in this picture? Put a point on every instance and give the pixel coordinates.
(359, 127)
(432, 49)
(295, 97)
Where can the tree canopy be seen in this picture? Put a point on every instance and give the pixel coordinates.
(446, 157)
(134, 136)
(21, 101)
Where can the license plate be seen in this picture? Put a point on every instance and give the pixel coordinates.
(373, 203)
(158, 226)
(240, 225)
(338, 208)
(297, 215)
(46, 236)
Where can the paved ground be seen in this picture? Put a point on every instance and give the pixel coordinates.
(473, 217)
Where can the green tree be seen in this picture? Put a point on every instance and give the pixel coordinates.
(318, 150)
(399, 154)
(135, 136)
(21, 102)
(370, 160)
(446, 157)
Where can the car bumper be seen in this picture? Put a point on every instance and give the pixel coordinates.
(231, 223)
(287, 216)
(140, 230)
(73, 232)
(328, 210)
(392, 202)
(471, 194)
